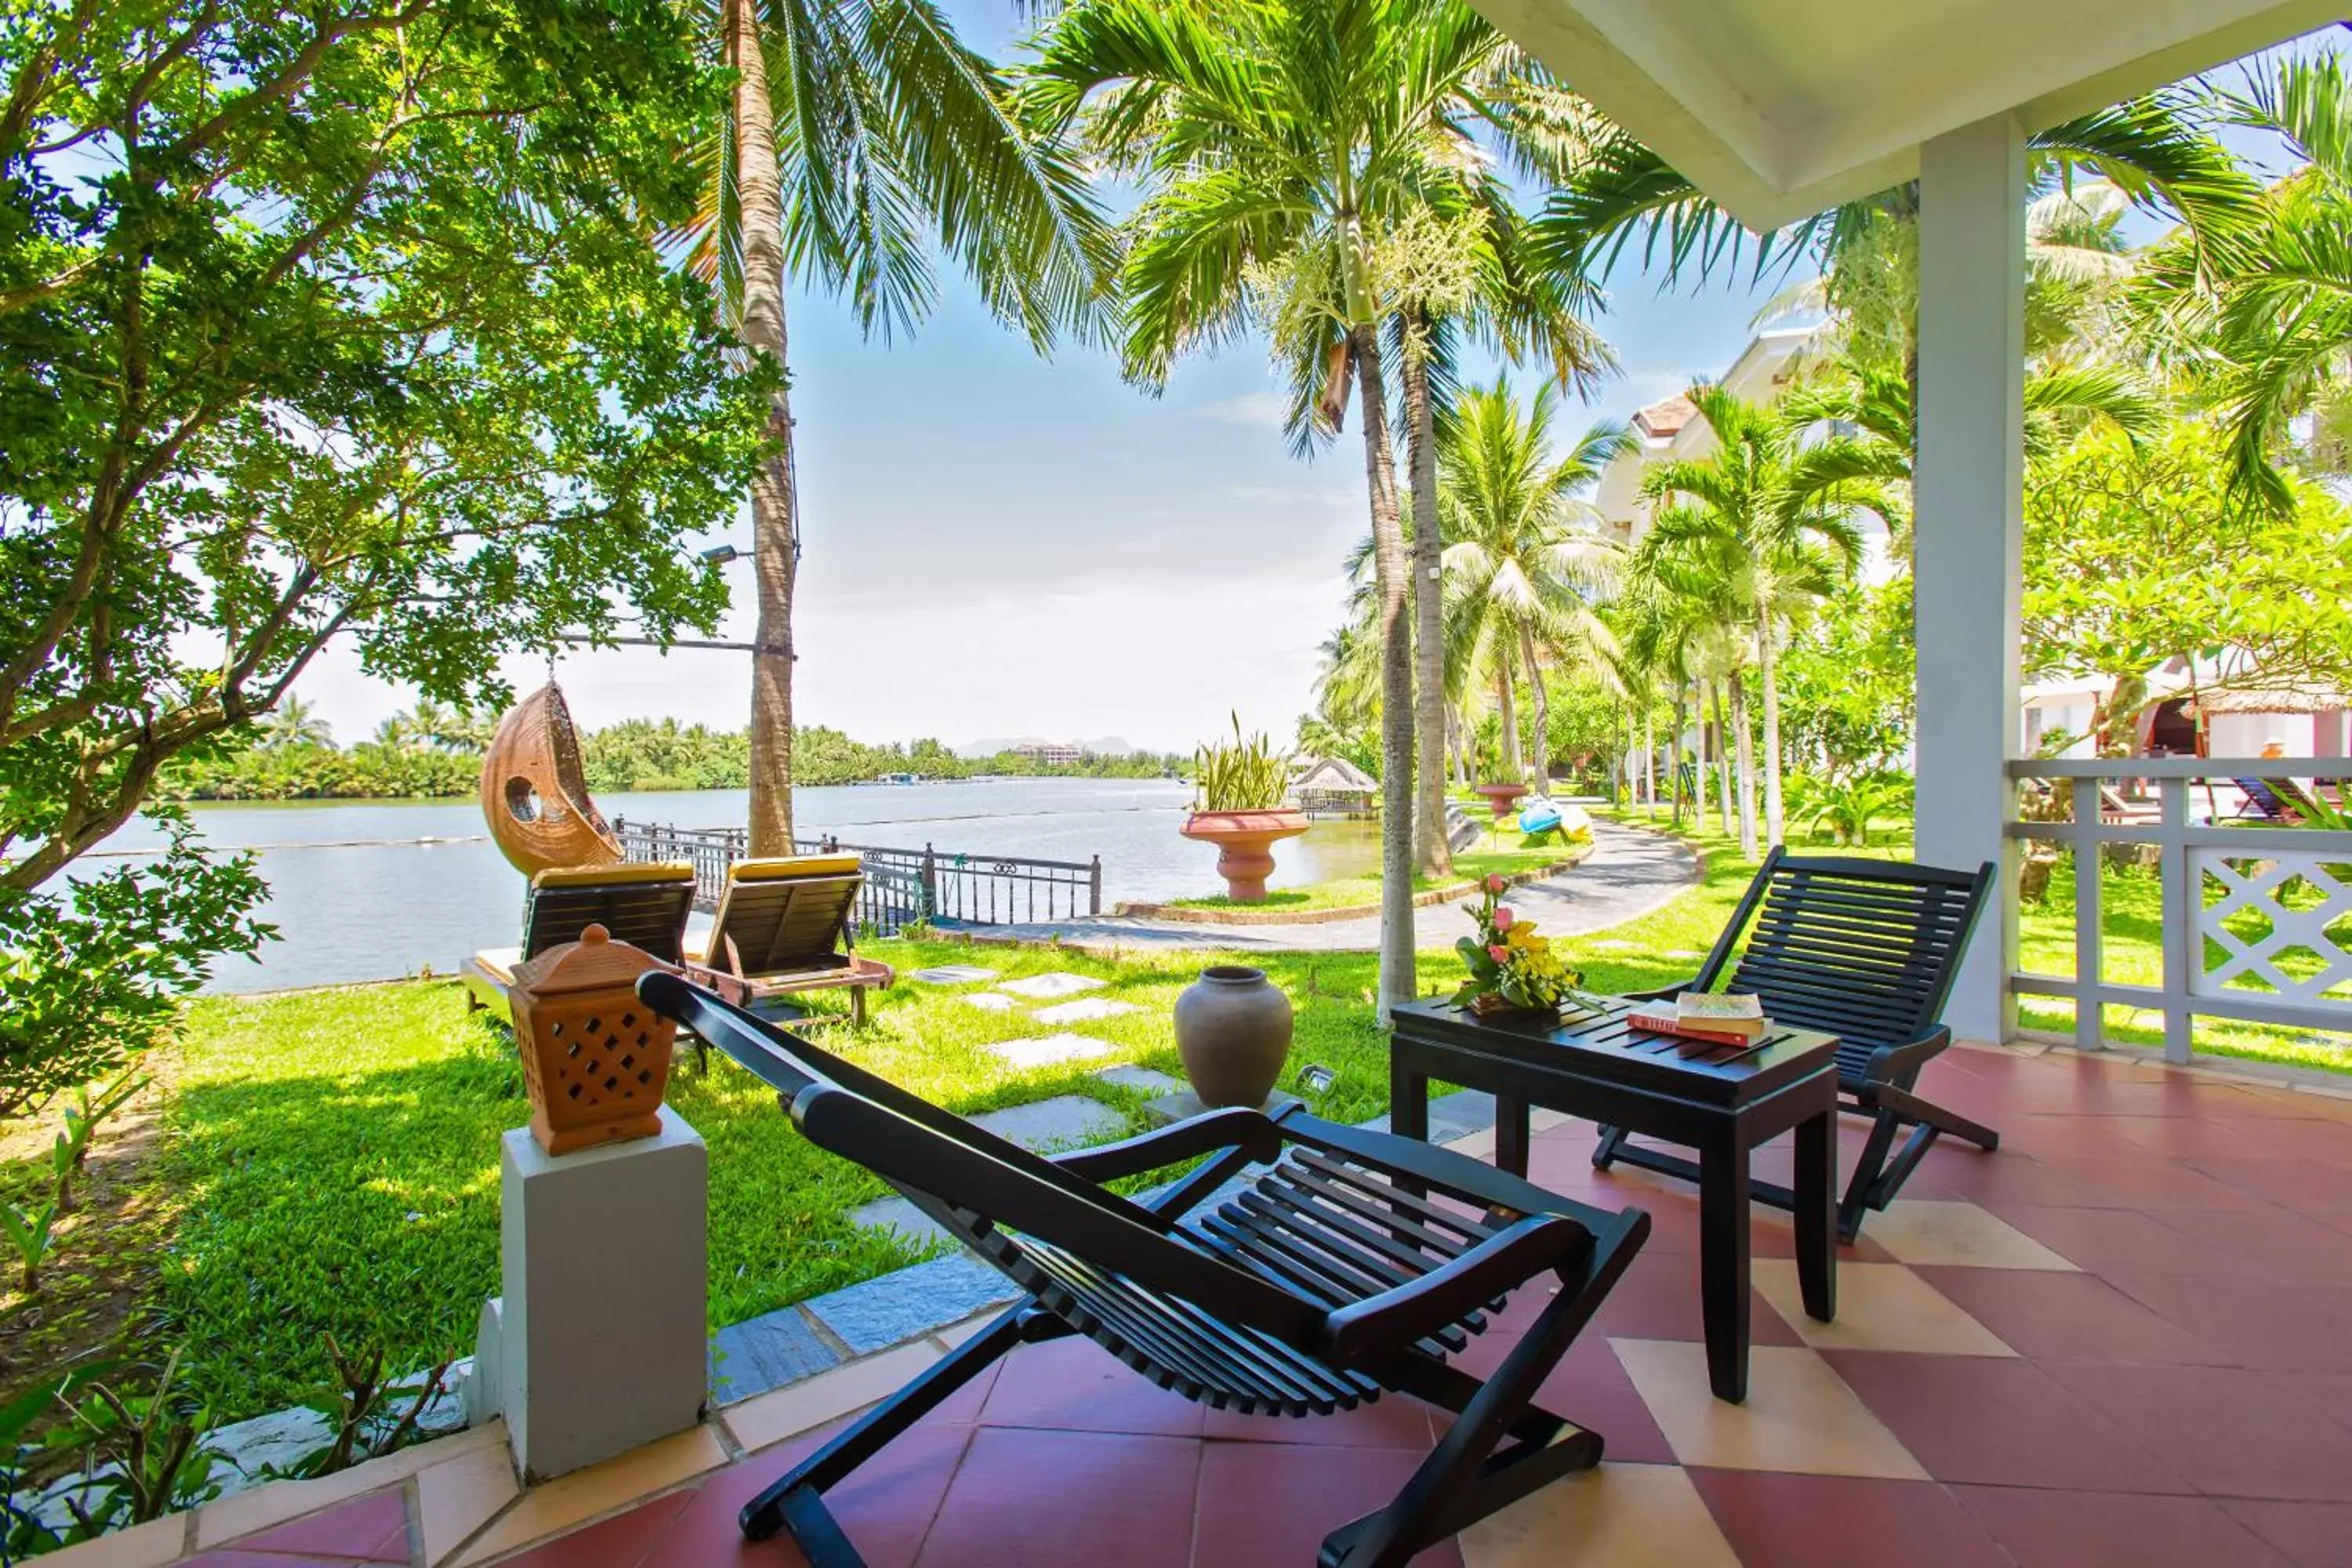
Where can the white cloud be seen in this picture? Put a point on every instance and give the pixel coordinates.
(1249, 408)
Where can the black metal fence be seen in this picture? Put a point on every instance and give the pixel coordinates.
(902, 886)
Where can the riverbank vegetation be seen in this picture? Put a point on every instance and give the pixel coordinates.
(636, 754)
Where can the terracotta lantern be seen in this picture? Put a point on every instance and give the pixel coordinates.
(594, 1059)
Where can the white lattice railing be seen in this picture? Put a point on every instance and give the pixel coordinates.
(2255, 918)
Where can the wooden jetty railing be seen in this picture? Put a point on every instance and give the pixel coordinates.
(903, 886)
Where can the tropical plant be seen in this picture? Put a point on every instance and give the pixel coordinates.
(31, 1234)
(1844, 808)
(1301, 162)
(1760, 525)
(145, 1453)
(294, 723)
(856, 137)
(1522, 559)
(1615, 196)
(1245, 774)
(2262, 324)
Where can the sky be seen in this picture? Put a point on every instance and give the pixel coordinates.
(996, 544)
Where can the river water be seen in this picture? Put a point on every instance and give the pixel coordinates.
(375, 889)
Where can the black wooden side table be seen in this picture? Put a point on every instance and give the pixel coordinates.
(1721, 1100)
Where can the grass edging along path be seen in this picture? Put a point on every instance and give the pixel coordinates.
(1300, 906)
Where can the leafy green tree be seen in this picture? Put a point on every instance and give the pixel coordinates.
(1760, 526)
(1290, 155)
(337, 322)
(1521, 556)
(853, 138)
(2135, 556)
(1846, 680)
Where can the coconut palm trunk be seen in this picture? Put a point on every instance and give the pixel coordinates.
(1767, 667)
(1542, 700)
(1722, 754)
(1430, 850)
(1508, 710)
(761, 329)
(1397, 979)
(1744, 744)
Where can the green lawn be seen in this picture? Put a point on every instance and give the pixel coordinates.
(331, 1158)
(1510, 857)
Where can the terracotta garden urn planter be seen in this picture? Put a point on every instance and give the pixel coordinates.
(1232, 1029)
(1244, 841)
(596, 1060)
(1500, 797)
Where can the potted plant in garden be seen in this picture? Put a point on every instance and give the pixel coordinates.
(1240, 810)
(1511, 969)
(1500, 797)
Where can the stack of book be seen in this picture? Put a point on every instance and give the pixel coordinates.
(1721, 1018)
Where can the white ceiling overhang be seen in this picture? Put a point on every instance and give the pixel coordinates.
(1781, 109)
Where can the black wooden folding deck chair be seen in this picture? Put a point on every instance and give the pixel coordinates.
(1864, 950)
(1331, 1273)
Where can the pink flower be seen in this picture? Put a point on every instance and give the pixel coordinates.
(1504, 917)
(1499, 954)
(1495, 883)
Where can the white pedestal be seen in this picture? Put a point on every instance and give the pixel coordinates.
(602, 1329)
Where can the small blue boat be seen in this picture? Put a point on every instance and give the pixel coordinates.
(1538, 815)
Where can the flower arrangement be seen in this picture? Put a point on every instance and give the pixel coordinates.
(1511, 967)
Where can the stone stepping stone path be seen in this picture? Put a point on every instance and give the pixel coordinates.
(992, 1002)
(1059, 982)
(1084, 1010)
(1065, 1121)
(1046, 1050)
(1145, 1079)
(953, 974)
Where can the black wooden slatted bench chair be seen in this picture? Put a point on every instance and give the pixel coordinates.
(1864, 950)
(1349, 1264)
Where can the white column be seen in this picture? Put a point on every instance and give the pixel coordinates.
(1968, 553)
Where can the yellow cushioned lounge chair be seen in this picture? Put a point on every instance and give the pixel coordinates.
(643, 903)
(784, 925)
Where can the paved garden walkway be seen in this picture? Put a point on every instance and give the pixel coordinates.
(1629, 872)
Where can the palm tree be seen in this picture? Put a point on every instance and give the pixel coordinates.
(855, 135)
(1493, 291)
(1760, 525)
(1612, 190)
(1293, 158)
(2263, 328)
(1516, 558)
(294, 723)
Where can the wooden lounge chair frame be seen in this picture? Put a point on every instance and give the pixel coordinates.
(645, 904)
(1326, 1278)
(1864, 950)
(808, 946)
(2266, 802)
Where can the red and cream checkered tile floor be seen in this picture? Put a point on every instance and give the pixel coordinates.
(2125, 1339)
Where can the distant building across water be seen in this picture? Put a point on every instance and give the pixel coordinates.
(1049, 752)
